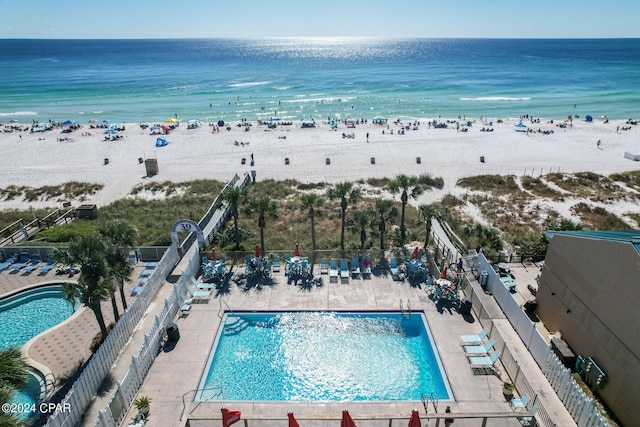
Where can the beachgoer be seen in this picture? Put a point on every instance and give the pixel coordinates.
(599, 144)
(367, 136)
(448, 421)
(460, 265)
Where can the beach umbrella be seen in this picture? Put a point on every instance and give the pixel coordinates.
(229, 417)
(213, 255)
(292, 420)
(171, 120)
(347, 421)
(415, 253)
(69, 122)
(92, 121)
(257, 251)
(414, 421)
(444, 273)
(111, 131)
(165, 127)
(296, 251)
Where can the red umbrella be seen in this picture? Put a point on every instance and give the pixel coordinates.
(257, 251)
(444, 273)
(414, 421)
(415, 253)
(292, 420)
(347, 421)
(165, 127)
(296, 251)
(229, 417)
(213, 254)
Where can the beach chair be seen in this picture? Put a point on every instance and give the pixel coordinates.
(23, 261)
(484, 362)
(324, 266)
(35, 261)
(474, 339)
(527, 420)
(355, 267)
(48, 266)
(366, 267)
(393, 268)
(142, 281)
(520, 403)
(198, 294)
(276, 264)
(136, 290)
(344, 269)
(201, 286)
(8, 262)
(333, 269)
(478, 350)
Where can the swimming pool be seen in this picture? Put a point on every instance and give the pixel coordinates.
(323, 356)
(27, 314)
(28, 398)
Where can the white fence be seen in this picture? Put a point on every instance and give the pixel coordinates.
(579, 405)
(86, 386)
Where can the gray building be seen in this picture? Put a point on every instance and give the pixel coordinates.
(590, 291)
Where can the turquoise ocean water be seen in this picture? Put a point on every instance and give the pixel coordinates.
(213, 79)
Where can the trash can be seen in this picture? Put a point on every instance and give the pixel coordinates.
(530, 306)
(465, 306)
(484, 279)
(173, 334)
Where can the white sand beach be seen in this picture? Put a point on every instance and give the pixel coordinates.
(39, 159)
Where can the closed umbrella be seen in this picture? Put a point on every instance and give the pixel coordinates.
(444, 273)
(292, 420)
(213, 255)
(229, 417)
(347, 421)
(415, 253)
(414, 421)
(257, 251)
(296, 251)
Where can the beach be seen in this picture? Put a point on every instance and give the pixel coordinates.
(314, 154)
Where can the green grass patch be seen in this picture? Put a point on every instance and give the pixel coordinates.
(497, 185)
(597, 218)
(537, 187)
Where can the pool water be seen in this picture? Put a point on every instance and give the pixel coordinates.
(29, 396)
(323, 356)
(29, 313)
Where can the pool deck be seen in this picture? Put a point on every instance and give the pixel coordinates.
(176, 373)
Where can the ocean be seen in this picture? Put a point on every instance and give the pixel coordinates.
(227, 79)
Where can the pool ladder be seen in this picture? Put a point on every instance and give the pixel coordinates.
(405, 311)
(425, 402)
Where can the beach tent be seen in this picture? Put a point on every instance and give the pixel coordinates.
(520, 127)
(379, 120)
(588, 118)
(69, 122)
(161, 142)
(308, 122)
(351, 122)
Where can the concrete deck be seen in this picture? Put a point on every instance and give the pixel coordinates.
(175, 374)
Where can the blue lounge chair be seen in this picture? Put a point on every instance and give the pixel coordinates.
(276, 264)
(366, 267)
(35, 261)
(393, 267)
(23, 261)
(474, 339)
(482, 362)
(478, 350)
(136, 290)
(355, 266)
(201, 286)
(198, 294)
(520, 403)
(8, 262)
(48, 266)
(333, 269)
(324, 266)
(185, 304)
(344, 269)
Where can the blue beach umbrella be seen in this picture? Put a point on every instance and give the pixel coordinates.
(69, 122)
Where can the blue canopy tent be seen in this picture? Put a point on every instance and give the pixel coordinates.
(69, 122)
(588, 118)
(161, 142)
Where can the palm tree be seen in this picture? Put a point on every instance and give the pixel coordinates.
(233, 197)
(94, 284)
(428, 213)
(13, 376)
(121, 235)
(359, 222)
(344, 192)
(265, 207)
(410, 187)
(312, 202)
(386, 211)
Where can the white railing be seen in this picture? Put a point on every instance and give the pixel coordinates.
(86, 386)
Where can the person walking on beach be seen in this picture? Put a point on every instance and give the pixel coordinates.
(599, 145)
(367, 136)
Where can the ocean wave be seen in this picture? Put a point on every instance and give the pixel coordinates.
(19, 113)
(249, 84)
(496, 98)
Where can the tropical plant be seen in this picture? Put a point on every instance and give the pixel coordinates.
(359, 222)
(94, 284)
(121, 236)
(265, 207)
(233, 196)
(344, 192)
(142, 402)
(312, 202)
(386, 211)
(13, 376)
(428, 213)
(409, 186)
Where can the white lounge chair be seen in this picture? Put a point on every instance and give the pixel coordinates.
(201, 286)
(198, 294)
(474, 339)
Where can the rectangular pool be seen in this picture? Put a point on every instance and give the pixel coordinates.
(323, 356)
